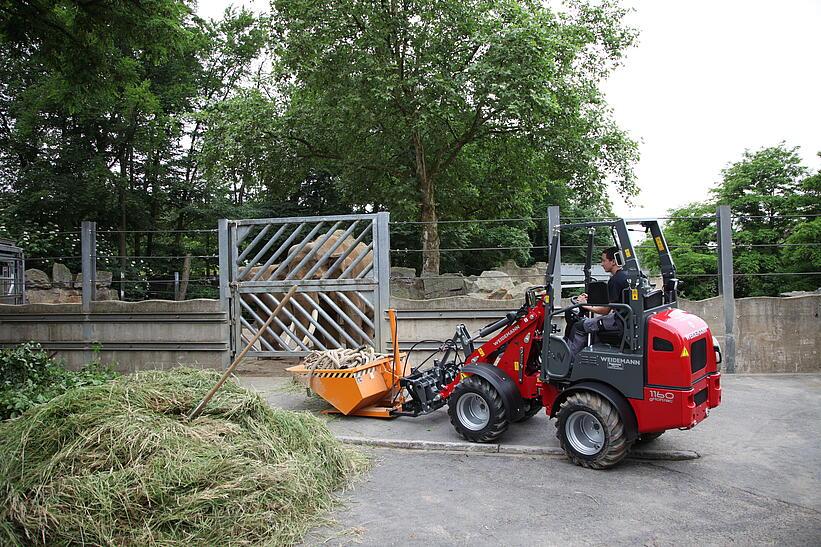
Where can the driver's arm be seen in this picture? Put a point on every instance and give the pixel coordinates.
(601, 310)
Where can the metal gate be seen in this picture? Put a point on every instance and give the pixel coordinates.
(12, 273)
(340, 264)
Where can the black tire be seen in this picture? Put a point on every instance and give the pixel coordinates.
(532, 407)
(645, 438)
(469, 404)
(591, 431)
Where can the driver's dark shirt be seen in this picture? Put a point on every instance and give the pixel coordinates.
(615, 287)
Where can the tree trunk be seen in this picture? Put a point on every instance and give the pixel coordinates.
(430, 228)
(186, 273)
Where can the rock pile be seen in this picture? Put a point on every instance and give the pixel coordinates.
(63, 287)
(508, 282)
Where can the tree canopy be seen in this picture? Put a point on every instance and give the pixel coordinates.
(443, 109)
(776, 208)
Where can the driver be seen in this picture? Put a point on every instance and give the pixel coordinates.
(608, 321)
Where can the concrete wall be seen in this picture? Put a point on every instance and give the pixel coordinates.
(772, 334)
(154, 334)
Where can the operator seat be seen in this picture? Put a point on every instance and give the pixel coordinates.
(597, 293)
(597, 296)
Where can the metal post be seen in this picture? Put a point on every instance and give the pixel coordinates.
(224, 269)
(382, 271)
(176, 285)
(94, 261)
(87, 245)
(88, 233)
(552, 222)
(725, 283)
(21, 280)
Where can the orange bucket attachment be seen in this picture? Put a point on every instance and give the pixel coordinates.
(353, 390)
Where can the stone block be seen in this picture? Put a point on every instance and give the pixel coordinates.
(61, 276)
(54, 296)
(42, 296)
(71, 296)
(509, 267)
(493, 280)
(402, 273)
(103, 293)
(500, 294)
(533, 274)
(103, 279)
(518, 292)
(436, 286)
(408, 289)
(37, 279)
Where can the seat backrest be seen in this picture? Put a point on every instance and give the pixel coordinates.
(557, 357)
(653, 299)
(597, 293)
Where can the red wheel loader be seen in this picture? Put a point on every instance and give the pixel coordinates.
(659, 372)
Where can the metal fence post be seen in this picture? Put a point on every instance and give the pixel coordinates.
(725, 283)
(88, 250)
(553, 221)
(382, 269)
(224, 269)
(20, 280)
(88, 247)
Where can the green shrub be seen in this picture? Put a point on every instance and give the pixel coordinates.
(29, 377)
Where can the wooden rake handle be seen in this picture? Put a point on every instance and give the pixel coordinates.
(196, 412)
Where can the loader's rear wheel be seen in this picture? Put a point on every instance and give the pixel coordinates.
(476, 411)
(591, 431)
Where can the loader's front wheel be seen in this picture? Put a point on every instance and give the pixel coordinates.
(591, 431)
(476, 411)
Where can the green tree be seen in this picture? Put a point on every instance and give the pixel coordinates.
(103, 106)
(776, 228)
(406, 102)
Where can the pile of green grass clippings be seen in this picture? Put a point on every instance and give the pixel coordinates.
(118, 464)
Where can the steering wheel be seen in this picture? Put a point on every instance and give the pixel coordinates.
(575, 314)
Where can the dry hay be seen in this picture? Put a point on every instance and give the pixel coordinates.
(118, 464)
(340, 358)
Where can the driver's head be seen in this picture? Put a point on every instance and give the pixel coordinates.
(608, 259)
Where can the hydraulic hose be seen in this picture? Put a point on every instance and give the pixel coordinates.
(493, 327)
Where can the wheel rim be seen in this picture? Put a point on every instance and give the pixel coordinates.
(473, 411)
(585, 433)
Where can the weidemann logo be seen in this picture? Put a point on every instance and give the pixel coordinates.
(620, 361)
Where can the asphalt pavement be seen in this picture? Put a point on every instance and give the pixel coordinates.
(752, 475)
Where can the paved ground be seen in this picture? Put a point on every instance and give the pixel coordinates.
(758, 480)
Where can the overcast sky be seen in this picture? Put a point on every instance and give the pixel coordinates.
(707, 80)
